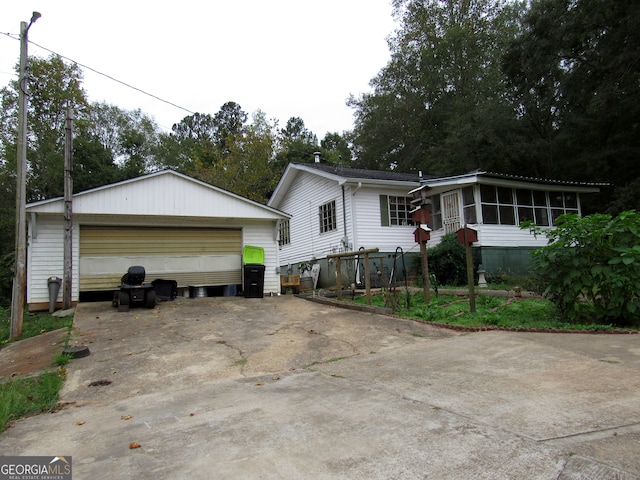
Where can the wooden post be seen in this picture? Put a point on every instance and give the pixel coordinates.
(68, 223)
(367, 278)
(425, 273)
(338, 278)
(338, 257)
(470, 280)
(425, 263)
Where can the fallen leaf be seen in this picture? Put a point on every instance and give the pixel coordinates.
(80, 423)
(114, 372)
(259, 384)
(133, 445)
(126, 417)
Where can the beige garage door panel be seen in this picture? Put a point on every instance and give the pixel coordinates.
(191, 256)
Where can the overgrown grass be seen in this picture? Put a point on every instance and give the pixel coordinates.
(33, 324)
(28, 396)
(491, 311)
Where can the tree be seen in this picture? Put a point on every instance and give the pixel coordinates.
(440, 105)
(296, 143)
(336, 149)
(192, 139)
(228, 121)
(129, 137)
(54, 87)
(576, 78)
(247, 167)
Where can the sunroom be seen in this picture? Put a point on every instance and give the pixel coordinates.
(495, 205)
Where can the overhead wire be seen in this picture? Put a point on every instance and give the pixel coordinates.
(104, 75)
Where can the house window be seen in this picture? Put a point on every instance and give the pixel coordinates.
(506, 206)
(400, 211)
(285, 236)
(498, 207)
(327, 214)
(469, 205)
(561, 203)
(395, 210)
(436, 213)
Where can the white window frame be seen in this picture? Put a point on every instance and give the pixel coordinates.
(327, 217)
(284, 233)
(399, 217)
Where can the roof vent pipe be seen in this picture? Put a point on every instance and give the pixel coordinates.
(316, 156)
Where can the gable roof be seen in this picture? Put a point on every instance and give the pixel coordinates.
(165, 192)
(342, 176)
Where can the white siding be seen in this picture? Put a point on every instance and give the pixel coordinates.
(370, 232)
(165, 194)
(46, 258)
(260, 234)
(498, 236)
(508, 236)
(303, 200)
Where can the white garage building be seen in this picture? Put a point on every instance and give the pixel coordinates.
(175, 226)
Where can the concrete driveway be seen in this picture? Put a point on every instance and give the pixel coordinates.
(282, 387)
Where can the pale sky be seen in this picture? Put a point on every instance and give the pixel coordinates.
(285, 57)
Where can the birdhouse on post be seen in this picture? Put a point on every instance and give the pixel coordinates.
(421, 215)
(467, 235)
(422, 235)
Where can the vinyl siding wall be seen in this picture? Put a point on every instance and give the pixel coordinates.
(46, 258)
(303, 202)
(370, 232)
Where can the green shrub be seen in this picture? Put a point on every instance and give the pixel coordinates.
(447, 261)
(591, 266)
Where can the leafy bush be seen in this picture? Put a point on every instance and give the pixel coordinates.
(592, 266)
(447, 261)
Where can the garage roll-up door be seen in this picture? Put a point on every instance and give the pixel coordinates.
(191, 256)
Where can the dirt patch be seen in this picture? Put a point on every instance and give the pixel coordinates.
(31, 356)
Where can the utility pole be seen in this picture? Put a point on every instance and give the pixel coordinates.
(20, 274)
(68, 223)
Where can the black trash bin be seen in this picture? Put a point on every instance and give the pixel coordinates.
(253, 281)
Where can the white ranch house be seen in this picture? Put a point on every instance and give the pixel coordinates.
(335, 209)
(177, 227)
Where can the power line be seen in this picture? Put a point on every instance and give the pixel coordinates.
(105, 75)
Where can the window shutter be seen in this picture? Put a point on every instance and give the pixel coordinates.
(384, 210)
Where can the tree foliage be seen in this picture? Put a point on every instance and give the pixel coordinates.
(591, 266)
(439, 105)
(576, 77)
(245, 165)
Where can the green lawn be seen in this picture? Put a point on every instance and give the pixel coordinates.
(491, 311)
(32, 325)
(21, 397)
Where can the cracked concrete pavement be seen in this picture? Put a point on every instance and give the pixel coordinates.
(227, 387)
